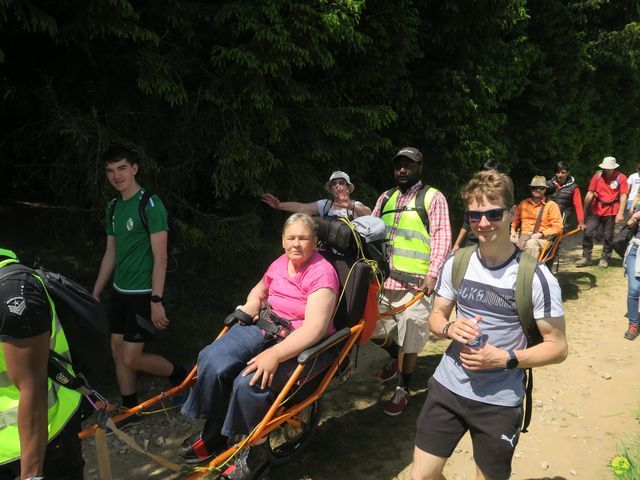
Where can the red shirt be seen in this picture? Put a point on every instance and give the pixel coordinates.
(607, 191)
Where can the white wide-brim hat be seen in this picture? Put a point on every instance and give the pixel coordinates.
(609, 163)
(339, 174)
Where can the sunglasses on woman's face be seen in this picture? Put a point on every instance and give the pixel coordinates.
(493, 215)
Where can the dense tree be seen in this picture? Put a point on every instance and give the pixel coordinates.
(225, 100)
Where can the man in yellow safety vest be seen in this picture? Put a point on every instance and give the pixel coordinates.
(418, 234)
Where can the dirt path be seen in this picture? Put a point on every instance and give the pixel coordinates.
(583, 407)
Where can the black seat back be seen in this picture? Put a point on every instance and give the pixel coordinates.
(354, 285)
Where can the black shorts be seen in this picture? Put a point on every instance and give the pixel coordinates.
(130, 315)
(494, 429)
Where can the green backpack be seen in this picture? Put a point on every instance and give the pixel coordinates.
(524, 290)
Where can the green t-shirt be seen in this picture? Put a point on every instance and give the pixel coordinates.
(134, 257)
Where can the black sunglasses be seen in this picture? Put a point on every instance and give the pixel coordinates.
(538, 188)
(493, 215)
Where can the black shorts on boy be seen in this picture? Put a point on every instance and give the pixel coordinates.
(494, 429)
(130, 316)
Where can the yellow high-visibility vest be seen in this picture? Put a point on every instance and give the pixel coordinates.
(62, 402)
(411, 246)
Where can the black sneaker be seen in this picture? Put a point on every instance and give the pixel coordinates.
(126, 424)
(194, 451)
(251, 465)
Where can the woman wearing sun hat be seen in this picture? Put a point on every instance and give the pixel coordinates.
(604, 204)
(340, 205)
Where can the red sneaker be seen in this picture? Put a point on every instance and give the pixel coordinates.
(389, 371)
(398, 403)
(632, 333)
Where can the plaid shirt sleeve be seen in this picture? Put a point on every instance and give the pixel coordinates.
(440, 231)
(377, 210)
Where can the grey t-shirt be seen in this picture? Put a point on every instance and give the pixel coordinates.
(490, 293)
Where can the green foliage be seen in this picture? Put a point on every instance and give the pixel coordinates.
(226, 100)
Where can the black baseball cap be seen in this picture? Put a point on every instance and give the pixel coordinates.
(411, 153)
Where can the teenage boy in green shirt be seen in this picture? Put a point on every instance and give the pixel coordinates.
(139, 258)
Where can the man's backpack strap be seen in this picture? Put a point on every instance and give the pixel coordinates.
(112, 208)
(387, 195)
(423, 203)
(142, 206)
(327, 207)
(142, 209)
(460, 263)
(524, 290)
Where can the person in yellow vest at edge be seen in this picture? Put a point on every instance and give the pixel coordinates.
(418, 234)
(39, 419)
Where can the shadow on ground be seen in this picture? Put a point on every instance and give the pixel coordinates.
(336, 451)
(572, 283)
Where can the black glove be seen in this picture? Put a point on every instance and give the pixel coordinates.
(238, 316)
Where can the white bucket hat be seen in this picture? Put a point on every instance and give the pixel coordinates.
(339, 174)
(609, 163)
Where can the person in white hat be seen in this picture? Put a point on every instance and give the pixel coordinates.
(536, 219)
(604, 204)
(340, 205)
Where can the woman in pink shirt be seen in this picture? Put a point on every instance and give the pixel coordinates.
(239, 374)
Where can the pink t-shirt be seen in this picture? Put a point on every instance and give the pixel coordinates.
(288, 294)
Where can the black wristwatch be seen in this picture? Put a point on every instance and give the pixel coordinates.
(156, 299)
(513, 361)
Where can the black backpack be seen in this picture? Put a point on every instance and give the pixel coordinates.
(82, 318)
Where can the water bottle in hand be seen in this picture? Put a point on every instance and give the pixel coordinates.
(479, 340)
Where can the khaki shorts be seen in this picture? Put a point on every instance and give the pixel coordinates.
(530, 245)
(408, 328)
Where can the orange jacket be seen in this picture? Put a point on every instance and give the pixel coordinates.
(527, 214)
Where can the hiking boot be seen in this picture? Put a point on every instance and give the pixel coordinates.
(389, 371)
(632, 332)
(253, 464)
(583, 262)
(193, 450)
(604, 263)
(126, 424)
(398, 403)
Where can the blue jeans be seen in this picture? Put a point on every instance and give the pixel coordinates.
(633, 293)
(223, 396)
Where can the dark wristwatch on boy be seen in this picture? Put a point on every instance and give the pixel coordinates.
(512, 362)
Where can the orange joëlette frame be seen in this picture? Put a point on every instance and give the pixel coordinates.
(276, 415)
(186, 383)
(549, 251)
